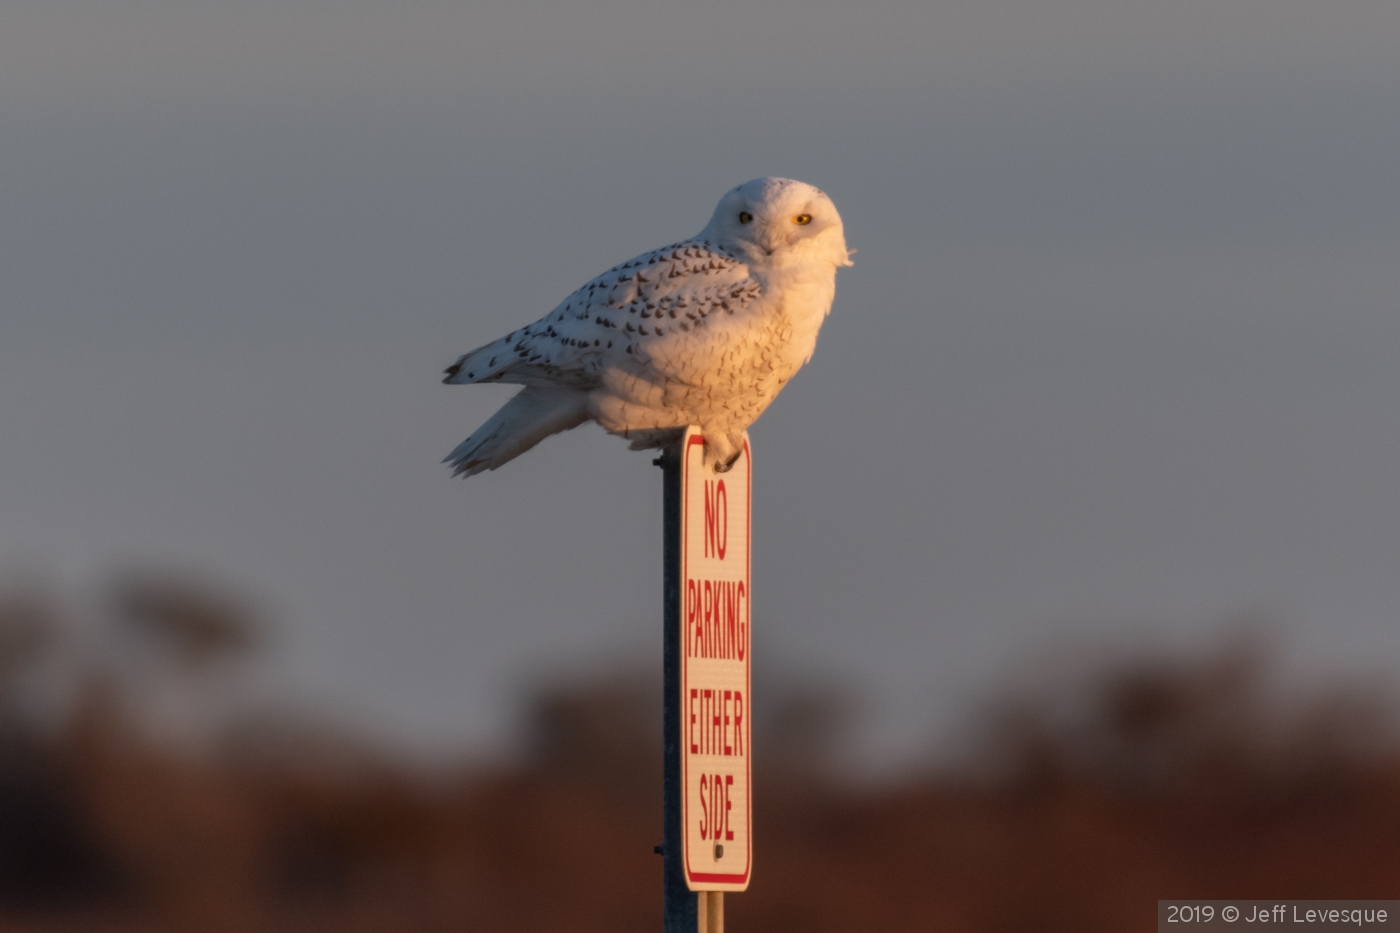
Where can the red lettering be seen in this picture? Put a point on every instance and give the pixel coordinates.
(722, 510)
(709, 520)
(693, 748)
(716, 723)
(704, 810)
(730, 618)
(738, 723)
(742, 611)
(705, 736)
(721, 599)
(717, 619)
(716, 519)
(711, 517)
(728, 783)
(728, 696)
(708, 611)
(692, 610)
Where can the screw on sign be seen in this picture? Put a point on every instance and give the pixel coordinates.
(716, 811)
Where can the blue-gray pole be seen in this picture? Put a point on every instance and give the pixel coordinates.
(681, 909)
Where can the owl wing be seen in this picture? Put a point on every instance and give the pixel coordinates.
(673, 288)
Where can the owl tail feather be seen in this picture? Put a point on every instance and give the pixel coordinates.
(528, 418)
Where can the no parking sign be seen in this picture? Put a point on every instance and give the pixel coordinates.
(716, 804)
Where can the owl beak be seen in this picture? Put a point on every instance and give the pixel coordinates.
(769, 237)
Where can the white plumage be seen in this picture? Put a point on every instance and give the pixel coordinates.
(706, 331)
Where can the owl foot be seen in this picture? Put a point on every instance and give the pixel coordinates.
(721, 450)
(727, 465)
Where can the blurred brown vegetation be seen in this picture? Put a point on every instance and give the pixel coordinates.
(1092, 798)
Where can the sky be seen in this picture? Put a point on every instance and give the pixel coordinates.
(1116, 364)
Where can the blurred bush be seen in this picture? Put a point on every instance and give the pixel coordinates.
(1097, 793)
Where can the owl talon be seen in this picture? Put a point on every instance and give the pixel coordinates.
(725, 465)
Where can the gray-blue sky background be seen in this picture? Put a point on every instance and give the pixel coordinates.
(1119, 357)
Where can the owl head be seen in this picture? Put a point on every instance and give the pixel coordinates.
(778, 221)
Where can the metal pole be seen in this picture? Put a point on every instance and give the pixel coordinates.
(681, 907)
(711, 919)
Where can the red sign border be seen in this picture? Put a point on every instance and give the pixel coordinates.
(714, 877)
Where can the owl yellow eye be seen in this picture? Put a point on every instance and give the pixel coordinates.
(745, 217)
(803, 219)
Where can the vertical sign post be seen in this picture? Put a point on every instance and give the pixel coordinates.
(707, 795)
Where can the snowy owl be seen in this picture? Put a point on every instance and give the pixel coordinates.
(706, 331)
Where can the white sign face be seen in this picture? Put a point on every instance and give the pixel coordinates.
(716, 808)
